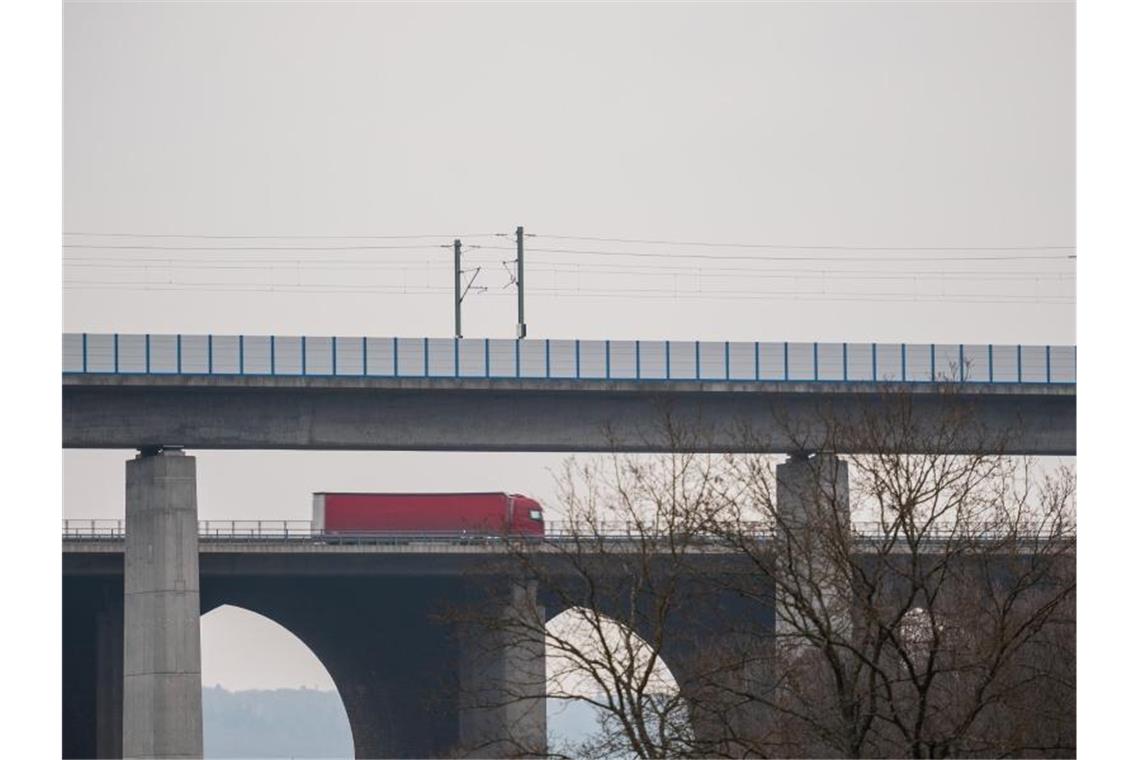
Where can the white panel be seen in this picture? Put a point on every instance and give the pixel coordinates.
(502, 353)
(410, 357)
(562, 363)
(918, 365)
(132, 353)
(771, 361)
(72, 352)
(830, 361)
(225, 355)
(1063, 364)
(441, 357)
(742, 361)
(859, 362)
(532, 358)
(164, 353)
(1033, 364)
(287, 355)
(801, 361)
(349, 356)
(472, 357)
(888, 362)
(592, 357)
(947, 363)
(379, 355)
(682, 359)
(712, 360)
(977, 363)
(1005, 364)
(255, 354)
(623, 359)
(318, 355)
(195, 354)
(652, 360)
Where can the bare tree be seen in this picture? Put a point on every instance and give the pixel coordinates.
(886, 604)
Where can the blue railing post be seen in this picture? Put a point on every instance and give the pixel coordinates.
(273, 354)
(844, 361)
(903, 347)
(756, 358)
(425, 357)
(991, 360)
(933, 371)
(178, 353)
(486, 357)
(961, 363)
(637, 359)
(147, 339)
(84, 352)
(518, 362)
(727, 373)
(455, 347)
(304, 357)
(115, 351)
(577, 359)
(668, 367)
(875, 362)
(607, 358)
(241, 355)
(697, 343)
(548, 358)
(815, 360)
(1019, 362)
(785, 360)
(334, 354)
(395, 357)
(363, 356)
(1048, 368)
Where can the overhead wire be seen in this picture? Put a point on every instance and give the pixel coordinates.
(739, 257)
(558, 267)
(782, 246)
(198, 236)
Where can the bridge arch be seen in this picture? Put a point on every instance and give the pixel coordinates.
(389, 669)
(234, 637)
(586, 654)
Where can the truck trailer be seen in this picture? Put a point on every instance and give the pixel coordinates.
(460, 514)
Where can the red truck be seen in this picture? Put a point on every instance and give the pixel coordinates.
(462, 514)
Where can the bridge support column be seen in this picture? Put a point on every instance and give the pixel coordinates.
(162, 665)
(502, 675)
(813, 505)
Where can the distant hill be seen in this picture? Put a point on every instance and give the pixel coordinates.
(275, 723)
(309, 723)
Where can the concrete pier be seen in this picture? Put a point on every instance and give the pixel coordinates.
(502, 673)
(813, 504)
(162, 664)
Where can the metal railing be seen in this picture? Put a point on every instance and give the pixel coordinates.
(302, 530)
(492, 358)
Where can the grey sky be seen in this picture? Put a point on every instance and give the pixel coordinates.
(849, 124)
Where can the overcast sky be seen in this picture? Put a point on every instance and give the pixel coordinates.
(946, 129)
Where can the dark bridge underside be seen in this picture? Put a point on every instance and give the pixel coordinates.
(122, 411)
(388, 641)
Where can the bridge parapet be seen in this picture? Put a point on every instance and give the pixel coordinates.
(541, 359)
(302, 531)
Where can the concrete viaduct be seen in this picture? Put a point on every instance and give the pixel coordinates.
(132, 672)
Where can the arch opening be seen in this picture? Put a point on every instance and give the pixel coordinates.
(607, 689)
(265, 693)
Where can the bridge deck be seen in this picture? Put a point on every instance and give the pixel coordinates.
(264, 392)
